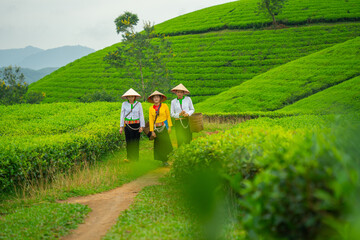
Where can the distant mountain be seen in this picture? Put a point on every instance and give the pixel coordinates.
(36, 58)
(15, 56)
(56, 57)
(32, 75)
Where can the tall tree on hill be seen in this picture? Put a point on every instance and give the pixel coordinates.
(271, 8)
(144, 55)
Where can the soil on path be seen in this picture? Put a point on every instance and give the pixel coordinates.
(107, 206)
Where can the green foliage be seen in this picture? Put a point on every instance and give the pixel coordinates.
(243, 144)
(126, 21)
(271, 8)
(43, 221)
(291, 82)
(100, 96)
(37, 141)
(207, 64)
(304, 186)
(294, 178)
(241, 15)
(35, 97)
(12, 86)
(144, 60)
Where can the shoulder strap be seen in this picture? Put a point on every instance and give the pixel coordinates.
(131, 110)
(157, 113)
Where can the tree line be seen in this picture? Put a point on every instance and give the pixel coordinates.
(14, 89)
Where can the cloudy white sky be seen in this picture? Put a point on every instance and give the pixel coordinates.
(53, 23)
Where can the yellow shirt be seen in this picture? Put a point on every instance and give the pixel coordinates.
(164, 114)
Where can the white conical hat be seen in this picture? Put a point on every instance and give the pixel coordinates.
(180, 87)
(131, 92)
(163, 97)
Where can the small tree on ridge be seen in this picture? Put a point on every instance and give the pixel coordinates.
(144, 55)
(271, 8)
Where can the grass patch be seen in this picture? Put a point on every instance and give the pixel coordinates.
(164, 212)
(159, 212)
(42, 221)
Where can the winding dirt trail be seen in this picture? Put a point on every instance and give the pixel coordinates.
(107, 206)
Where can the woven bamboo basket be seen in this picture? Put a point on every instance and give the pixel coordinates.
(147, 132)
(196, 122)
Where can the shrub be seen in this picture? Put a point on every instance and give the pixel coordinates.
(35, 97)
(293, 177)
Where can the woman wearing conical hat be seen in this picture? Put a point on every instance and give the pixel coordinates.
(160, 126)
(132, 120)
(181, 108)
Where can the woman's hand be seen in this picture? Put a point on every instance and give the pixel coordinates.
(121, 130)
(169, 130)
(185, 114)
(140, 130)
(153, 134)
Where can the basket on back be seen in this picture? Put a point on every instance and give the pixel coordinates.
(196, 122)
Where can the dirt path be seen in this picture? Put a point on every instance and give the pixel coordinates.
(107, 206)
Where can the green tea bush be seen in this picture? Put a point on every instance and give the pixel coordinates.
(303, 189)
(294, 178)
(37, 141)
(35, 97)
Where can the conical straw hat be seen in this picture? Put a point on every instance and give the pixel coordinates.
(131, 92)
(163, 97)
(180, 87)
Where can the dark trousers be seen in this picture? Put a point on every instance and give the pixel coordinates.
(162, 145)
(183, 135)
(132, 138)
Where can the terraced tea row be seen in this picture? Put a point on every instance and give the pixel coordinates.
(241, 15)
(38, 140)
(342, 98)
(291, 82)
(207, 64)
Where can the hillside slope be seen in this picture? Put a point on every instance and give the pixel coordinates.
(32, 76)
(341, 98)
(240, 15)
(207, 64)
(212, 62)
(291, 82)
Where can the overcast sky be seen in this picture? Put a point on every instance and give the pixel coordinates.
(53, 23)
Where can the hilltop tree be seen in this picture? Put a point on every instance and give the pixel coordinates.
(143, 54)
(271, 8)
